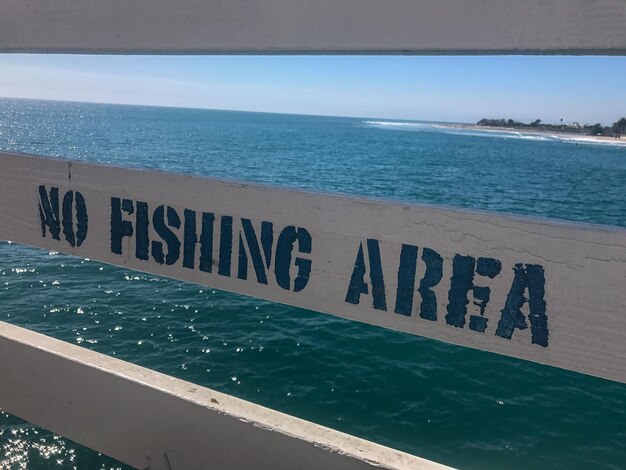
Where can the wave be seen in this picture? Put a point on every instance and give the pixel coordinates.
(493, 133)
(399, 124)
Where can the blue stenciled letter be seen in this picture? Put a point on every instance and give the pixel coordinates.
(406, 278)
(162, 227)
(531, 277)
(49, 212)
(206, 242)
(406, 282)
(267, 239)
(142, 240)
(120, 228)
(357, 284)
(282, 263)
(432, 277)
(463, 268)
(69, 201)
(73, 202)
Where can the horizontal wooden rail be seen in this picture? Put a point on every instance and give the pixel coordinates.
(544, 291)
(314, 26)
(152, 421)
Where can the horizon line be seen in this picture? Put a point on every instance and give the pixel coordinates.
(229, 110)
(285, 113)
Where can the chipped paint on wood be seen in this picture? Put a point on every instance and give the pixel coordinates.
(153, 421)
(320, 26)
(545, 291)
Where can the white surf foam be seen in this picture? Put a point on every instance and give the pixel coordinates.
(495, 133)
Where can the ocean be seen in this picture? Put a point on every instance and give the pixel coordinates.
(457, 406)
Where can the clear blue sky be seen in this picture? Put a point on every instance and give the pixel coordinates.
(460, 89)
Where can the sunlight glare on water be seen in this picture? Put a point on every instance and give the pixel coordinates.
(453, 405)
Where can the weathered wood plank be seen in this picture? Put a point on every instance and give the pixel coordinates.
(150, 420)
(549, 292)
(320, 26)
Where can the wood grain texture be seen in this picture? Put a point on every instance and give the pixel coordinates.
(320, 26)
(556, 290)
(153, 421)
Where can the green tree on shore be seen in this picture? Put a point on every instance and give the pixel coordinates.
(596, 129)
(619, 127)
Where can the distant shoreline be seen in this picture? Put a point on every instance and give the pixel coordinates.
(558, 135)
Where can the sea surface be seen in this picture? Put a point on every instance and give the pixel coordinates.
(457, 406)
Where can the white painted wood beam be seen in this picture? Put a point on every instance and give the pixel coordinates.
(535, 289)
(153, 421)
(314, 26)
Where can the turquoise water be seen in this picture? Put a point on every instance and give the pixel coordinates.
(457, 406)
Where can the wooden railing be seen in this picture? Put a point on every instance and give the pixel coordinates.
(150, 420)
(549, 292)
(539, 290)
(320, 26)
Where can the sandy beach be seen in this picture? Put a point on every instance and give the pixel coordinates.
(564, 136)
